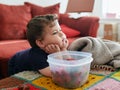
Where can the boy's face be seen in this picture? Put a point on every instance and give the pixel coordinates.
(53, 35)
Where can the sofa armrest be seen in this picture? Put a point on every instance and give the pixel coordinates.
(88, 26)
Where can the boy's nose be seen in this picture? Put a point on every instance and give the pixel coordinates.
(61, 34)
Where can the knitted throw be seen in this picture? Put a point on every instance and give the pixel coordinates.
(103, 51)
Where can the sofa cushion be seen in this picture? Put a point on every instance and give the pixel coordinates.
(39, 10)
(13, 21)
(69, 32)
(7, 49)
(10, 47)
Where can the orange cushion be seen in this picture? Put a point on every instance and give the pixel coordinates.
(13, 21)
(39, 10)
(69, 32)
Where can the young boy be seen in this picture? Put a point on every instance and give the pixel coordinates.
(45, 37)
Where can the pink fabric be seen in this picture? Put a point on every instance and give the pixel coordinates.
(107, 84)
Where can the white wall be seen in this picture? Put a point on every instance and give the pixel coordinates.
(96, 11)
(63, 3)
(39, 2)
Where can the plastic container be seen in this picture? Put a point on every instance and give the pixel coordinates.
(70, 69)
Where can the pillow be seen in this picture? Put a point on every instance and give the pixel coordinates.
(13, 21)
(39, 10)
(69, 32)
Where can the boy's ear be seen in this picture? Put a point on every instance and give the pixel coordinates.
(39, 43)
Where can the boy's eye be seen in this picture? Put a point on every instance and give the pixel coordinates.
(55, 32)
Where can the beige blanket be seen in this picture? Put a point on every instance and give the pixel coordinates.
(103, 51)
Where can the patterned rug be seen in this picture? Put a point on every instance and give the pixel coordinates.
(98, 79)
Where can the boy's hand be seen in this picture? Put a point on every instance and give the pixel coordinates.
(52, 48)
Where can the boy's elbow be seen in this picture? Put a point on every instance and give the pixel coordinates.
(46, 72)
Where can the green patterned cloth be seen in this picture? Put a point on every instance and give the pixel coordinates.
(27, 75)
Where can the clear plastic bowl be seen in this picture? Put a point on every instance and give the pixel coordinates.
(70, 69)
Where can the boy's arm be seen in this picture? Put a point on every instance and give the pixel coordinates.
(46, 71)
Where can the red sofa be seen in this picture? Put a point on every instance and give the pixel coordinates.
(13, 21)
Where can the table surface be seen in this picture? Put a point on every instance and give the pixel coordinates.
(97, 80)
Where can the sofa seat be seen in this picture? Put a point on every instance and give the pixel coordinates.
(7, 49)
